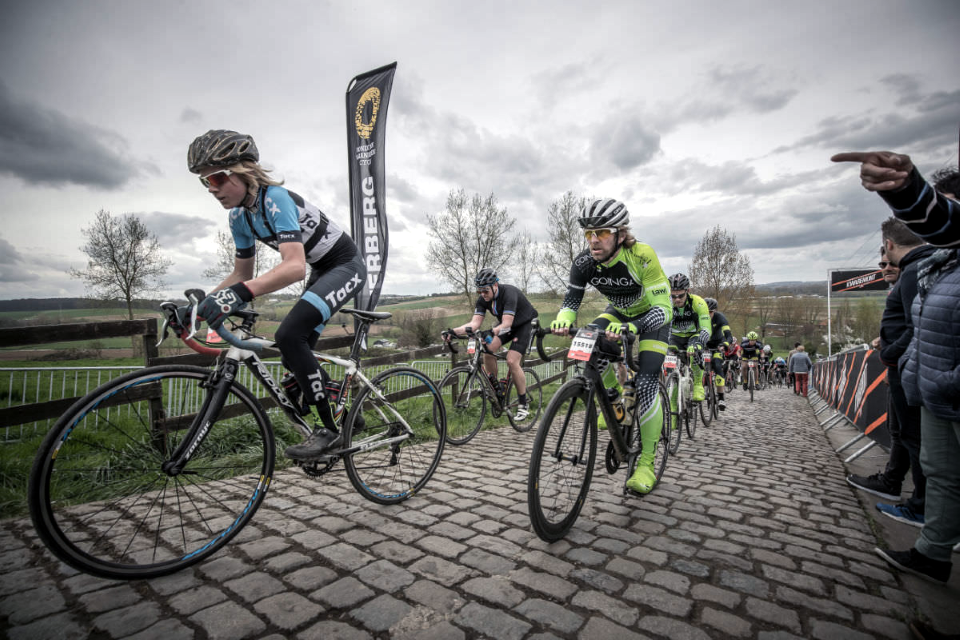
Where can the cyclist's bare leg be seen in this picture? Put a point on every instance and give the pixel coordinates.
(514, 364)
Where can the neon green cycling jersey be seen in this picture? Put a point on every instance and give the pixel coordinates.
(633, 281)
(692, 319)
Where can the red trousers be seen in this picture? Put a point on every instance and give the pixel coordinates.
(800, 383)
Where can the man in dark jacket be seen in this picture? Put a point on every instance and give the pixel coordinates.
(931, 376)
(904, 249)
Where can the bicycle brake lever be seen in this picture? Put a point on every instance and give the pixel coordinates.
(193, 317)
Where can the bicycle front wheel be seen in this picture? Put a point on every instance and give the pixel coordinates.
(100, 498)
(751, 382)
(466, 403)
(561, 465)
(398, 424)
(691, 420)
(675, 432)
(709, 401)
(534, 401)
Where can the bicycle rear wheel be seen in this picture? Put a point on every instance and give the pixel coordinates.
(675, 432)
(401, 435)
(534, 401)
(466, 404)
(100, 499)
(561, 465)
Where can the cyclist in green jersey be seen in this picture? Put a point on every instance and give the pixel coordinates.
(720, 339)
(629, 275)
(691, 328)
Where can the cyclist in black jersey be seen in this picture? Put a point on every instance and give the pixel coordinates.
(629, 274)
(720, 339)
(514, 315)
(262, 210)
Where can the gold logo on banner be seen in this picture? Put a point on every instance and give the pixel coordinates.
(372, 95)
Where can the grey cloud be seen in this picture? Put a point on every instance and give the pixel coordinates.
(401, 189)
(934, 125)
(751, 87)
(177, 230)
(626, 141)
(44, 146)
(907, 86)
(190, 116)
(13, 267)
(9, 253)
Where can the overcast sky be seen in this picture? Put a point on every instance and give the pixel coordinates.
(693, 113)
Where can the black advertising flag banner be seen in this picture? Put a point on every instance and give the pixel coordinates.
(367, 98)
(854, 384)
(857, 280)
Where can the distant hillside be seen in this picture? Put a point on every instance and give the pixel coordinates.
(793, 287)
(64, 304)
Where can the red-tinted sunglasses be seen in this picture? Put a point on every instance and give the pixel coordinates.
(216, 179)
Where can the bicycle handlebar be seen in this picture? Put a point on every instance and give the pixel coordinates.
(628, 337)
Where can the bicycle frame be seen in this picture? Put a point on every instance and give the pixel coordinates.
(244, 349)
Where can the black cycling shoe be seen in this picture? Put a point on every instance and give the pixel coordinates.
(317, 444)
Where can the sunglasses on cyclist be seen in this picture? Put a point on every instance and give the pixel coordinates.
(484, 289)
(601, 234)
(216, 179)
(678, 296)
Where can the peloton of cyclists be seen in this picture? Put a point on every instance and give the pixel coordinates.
(731, 362)
(515, 316)
(691, 328)
(629, 275)
(720, 339)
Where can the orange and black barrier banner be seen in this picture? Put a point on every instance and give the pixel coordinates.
(854, 384)
(857, 280)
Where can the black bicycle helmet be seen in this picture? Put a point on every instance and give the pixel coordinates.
(486, 277)
(601, 214)
(679, 281)
(220, 148)
(711, 303)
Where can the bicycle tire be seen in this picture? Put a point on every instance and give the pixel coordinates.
(466, 408)
(99, 499)
(751, 382)
(562, 461)
(534, 398)
(675, 434)
(392, 473)
(715, 404)
(709, 400)
(691, 421)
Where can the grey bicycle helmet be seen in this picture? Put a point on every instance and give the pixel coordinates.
(604, 213)
(711, 303)
(220, 148)
(679, 281)
(486, 277)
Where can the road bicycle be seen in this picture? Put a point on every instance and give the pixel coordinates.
(158, 469)
(732, 374)
(750, 383)
(565, 448)
(467, 390)
(678, 382)
(710, 407)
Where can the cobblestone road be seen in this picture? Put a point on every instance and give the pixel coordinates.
(753, 533)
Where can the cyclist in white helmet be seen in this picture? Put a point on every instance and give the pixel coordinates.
(629, 274)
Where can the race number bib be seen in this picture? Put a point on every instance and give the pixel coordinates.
(670, 362)
(583, 343)
(706, 357)
(472, 346)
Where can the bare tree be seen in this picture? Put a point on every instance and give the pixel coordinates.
(124, 260)
(764, 308)
(565, 241)
(266, 259)
(471, 233)
(719, 270)
(788, 312)
(527, 258)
